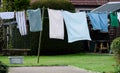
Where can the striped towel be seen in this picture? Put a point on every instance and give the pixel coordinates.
(21, 21)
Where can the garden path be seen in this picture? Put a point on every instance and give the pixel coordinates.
(47, 69)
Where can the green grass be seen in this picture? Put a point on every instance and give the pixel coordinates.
(93, 62)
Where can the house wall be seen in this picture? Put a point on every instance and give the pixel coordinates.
(87, 5)
(90, 2)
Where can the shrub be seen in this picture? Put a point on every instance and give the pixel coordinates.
(54, 4)
(21, 4)
(117, 68)
(115, 47)
(12, 5)
(3, 68)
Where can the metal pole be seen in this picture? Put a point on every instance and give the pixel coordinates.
(39, 45)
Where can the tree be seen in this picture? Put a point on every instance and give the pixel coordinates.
(15, 5)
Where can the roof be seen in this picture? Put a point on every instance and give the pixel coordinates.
(108, 7)
(86, 2)
(90, 2)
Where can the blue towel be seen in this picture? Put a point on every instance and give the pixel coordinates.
(94, 18)
(34, 17)
(77, 27)
(103, 21)
(99, 21)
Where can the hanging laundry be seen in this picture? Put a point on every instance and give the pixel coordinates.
(94, 18)
(103, 21)
(114, 20)
(21, 21)
(77, 27)
(7, 15)
(34, 17)
(118, 14)
(56, 25)
(99, 21)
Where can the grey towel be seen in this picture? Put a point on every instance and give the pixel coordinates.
(34, 17)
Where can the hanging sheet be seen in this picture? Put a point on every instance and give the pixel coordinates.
(56, 25)
(77, 27)
(94, 18)
(114, 20)
(7, 15)
(21, 21)
(103, 21)
(34, 17)
(99, 21)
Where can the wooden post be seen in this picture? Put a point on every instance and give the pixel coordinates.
(39, 45)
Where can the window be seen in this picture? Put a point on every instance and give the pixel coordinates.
(85, 10)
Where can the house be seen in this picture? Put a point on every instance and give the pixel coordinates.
(87, 5)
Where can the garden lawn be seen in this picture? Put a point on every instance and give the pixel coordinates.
(93, 62)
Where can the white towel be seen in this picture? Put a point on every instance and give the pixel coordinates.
(7, 15)
(77, 27)
(118, 14)
(56, 25)
(21, 21)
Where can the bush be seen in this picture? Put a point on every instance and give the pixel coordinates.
(12, 5)
(21, 4)
(3, 68)
(115, 47)
(117, 69)
(54, 4)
